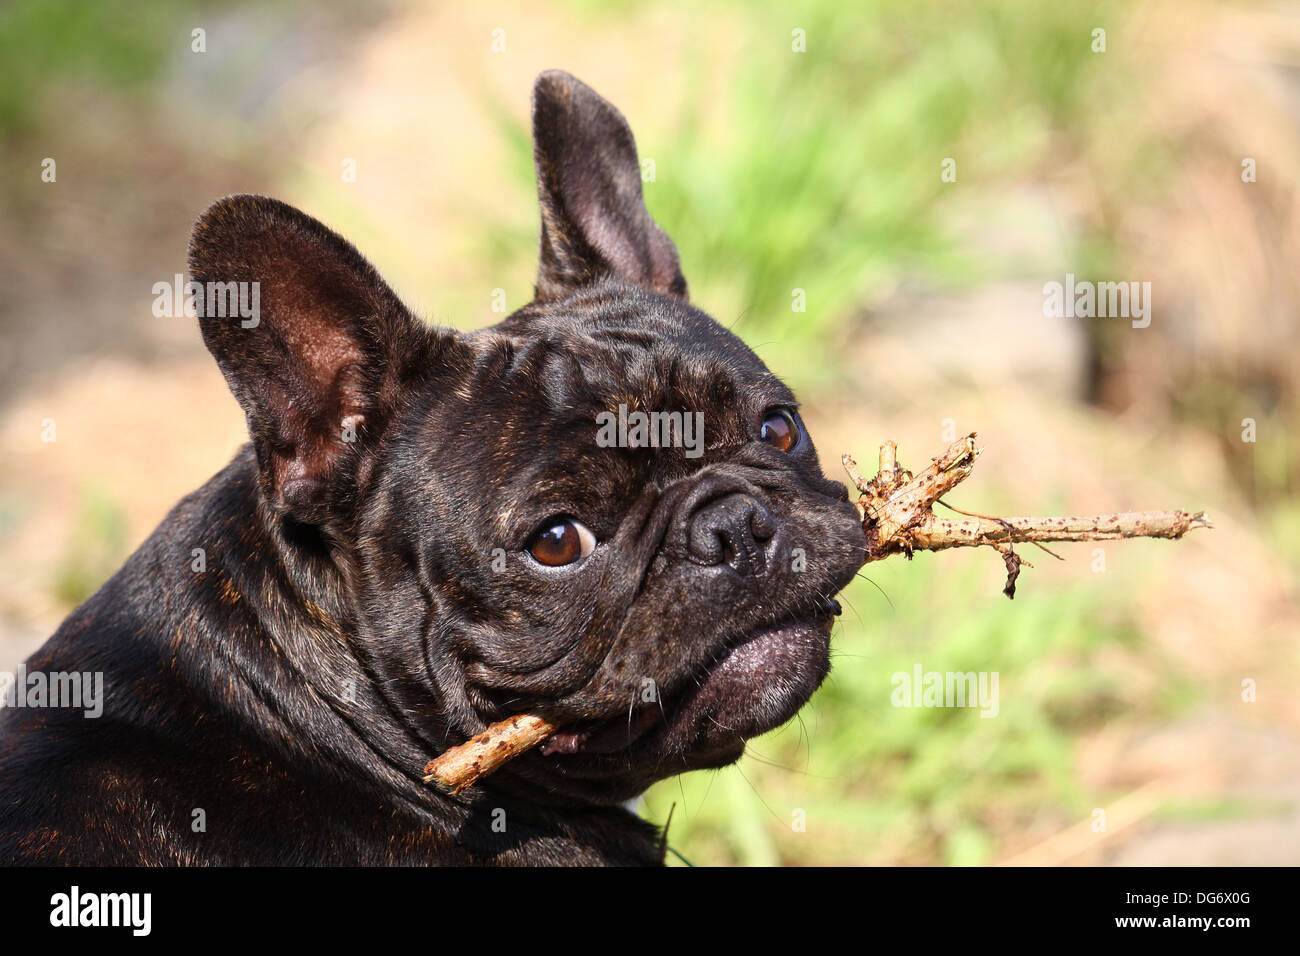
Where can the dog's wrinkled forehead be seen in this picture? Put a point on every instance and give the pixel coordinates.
(646, 353)
(557, 394)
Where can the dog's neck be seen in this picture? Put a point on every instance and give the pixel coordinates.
(304, 611)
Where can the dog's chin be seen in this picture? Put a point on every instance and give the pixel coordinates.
(755, 684)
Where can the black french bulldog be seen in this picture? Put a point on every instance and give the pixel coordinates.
(426, 535)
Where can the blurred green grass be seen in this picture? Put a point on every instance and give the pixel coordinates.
(94, 549)
(47, 42)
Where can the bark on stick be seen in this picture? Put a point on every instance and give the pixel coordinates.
(459, 768)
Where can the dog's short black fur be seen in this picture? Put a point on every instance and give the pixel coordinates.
(369, 593)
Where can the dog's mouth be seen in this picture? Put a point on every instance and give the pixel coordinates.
(756, 683)
(605, 736)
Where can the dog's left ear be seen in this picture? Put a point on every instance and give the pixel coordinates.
(594, 220)
(315, 346)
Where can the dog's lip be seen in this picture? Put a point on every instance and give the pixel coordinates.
(618, 734)
(603, 736)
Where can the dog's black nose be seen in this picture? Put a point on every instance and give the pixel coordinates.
(731, 530)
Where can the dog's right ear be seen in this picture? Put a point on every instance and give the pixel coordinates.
(594, 220)
(320, 354)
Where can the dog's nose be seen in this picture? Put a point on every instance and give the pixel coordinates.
(732, 530)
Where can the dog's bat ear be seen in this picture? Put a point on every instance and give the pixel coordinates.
(314, 345)
(594, 220)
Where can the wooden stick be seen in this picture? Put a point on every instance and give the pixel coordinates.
(459, 768)
(898, 518)
(938, 534)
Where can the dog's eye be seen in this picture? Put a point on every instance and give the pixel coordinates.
(561, 541)
(780, 430)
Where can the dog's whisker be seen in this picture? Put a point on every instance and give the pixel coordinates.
(740, 770)
(878, 588)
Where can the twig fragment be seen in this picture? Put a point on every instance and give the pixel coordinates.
(897, 514)
(459, 768)
(1013, 562)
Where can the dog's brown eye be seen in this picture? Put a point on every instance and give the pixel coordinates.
(562, 541)
(780, 430)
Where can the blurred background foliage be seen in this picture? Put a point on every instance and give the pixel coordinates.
(774, 171)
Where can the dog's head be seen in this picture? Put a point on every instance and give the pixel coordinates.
(605, 509)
